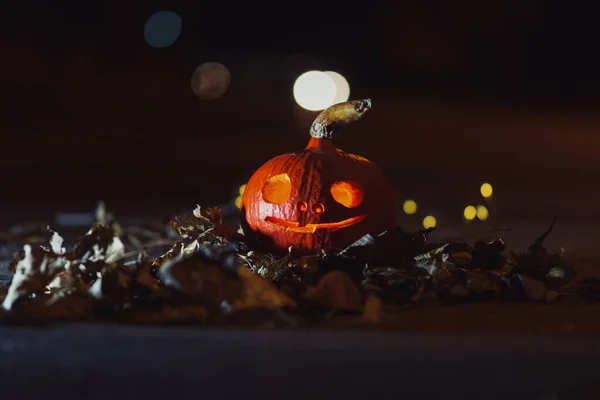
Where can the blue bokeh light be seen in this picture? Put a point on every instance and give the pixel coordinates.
(162, 29)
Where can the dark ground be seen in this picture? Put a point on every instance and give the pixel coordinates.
(98, 362)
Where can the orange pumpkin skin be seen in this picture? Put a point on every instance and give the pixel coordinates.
(320, 198)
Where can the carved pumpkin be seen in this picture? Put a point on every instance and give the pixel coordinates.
(320, 197)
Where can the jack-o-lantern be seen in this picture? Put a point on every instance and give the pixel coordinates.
(320, 197)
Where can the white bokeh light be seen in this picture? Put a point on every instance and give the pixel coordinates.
(341, 85)
(314, 91)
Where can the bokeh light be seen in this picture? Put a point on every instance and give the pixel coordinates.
(470, 213)
(482, 213)
(409, 207)
(211, 80)
(238, 202)
(242, 189)
(429, 222)
(162, 29)
(314, 90)
(486, 190)
(342, 87)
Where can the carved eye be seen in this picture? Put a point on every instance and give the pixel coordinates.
(349, 194)
(277, 189)
(318, 208)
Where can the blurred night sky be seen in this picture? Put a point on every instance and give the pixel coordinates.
(463, 92)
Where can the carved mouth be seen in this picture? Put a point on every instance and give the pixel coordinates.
(311, 228)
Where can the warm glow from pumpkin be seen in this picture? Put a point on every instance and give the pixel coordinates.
(409, 207)
(429, 222)
(482, 213)
(314, 90)
(311, 228)
(302, 206)
(347, 193)
(486, 190)
(242, 189)
(319, 208)
(277, 189)
(238, 202)
(470, 213)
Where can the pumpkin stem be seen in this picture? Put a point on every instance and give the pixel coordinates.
(338, 115)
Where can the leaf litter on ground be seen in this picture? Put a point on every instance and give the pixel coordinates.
(208, 274)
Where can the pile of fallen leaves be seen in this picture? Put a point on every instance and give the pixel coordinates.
(210, 275)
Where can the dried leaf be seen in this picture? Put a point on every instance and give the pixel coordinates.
(112, 285)
(462, 259)
(488, 254)
(200, 277)
(259, 293)
(451, 282)
(75, 306)
(99, 244)
(102, 216)
(395, 283)
(192, 225)
(537, 244)
(143, 276)
(391, 247)
(481, 282)
(259, 263)
(174, 252)
(536, 290)
(61, 305)
(210, 270)
(373, 307)
(432, 259)
(63, 282)
(33, 272)
(336, 290)
(56, 244)
(3, 292)
(292, 283)
(420, 291)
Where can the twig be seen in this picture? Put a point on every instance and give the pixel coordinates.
(157, 243)
(538, 242)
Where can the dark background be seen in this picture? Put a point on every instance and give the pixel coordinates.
(463, 92)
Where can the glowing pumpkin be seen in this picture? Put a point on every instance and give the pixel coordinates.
(320, 197)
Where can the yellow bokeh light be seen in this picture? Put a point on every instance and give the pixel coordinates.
(238, 202)
(470, 213)
(341, 85)
(486, 190)
(429, 222)
(242, 189)
(482, 213)
(409, 207)
(314, 90)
